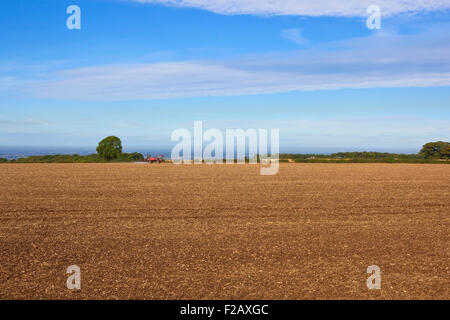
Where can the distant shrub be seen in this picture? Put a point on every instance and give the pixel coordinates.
(75, 158)
(130, 157)
(379, 160)
(3, 160)
(376, 155)
(361, 157)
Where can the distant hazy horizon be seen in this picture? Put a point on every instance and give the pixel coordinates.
(27, 151)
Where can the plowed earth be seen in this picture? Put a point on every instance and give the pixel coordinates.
(224, 231)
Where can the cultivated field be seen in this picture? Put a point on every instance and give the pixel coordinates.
(224, 232)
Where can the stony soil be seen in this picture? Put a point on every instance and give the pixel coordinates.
(224, 231)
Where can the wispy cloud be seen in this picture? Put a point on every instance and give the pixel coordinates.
(380, 60)
(346, 8)
(25, 122)
(129, 124)
(295, 35)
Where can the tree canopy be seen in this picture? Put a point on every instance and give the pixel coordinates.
(439, 149)
(110, 148)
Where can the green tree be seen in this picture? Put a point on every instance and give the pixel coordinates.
(2, 160)
(437, 149)
(446, 152)
(110, 148)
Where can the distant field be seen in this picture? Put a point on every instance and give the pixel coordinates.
(224, 232)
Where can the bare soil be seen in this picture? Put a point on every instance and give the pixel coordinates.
(224, 231)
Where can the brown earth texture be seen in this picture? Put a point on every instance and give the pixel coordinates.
(141, 231)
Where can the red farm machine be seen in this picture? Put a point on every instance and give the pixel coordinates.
(157, 159)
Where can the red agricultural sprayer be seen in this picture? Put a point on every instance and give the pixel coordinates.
(157, 159)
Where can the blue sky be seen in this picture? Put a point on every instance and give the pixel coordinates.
(141, 69)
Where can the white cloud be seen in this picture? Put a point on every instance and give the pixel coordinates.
(381, 60)
(345, 8)
(294, 35)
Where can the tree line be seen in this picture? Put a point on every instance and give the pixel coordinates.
(110, 150)
(430, 151)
